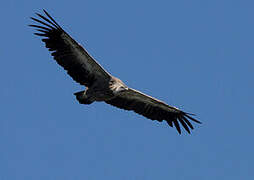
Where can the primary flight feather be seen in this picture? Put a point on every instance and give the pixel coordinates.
(100, 85)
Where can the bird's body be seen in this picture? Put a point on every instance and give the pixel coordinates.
(101, 85)
(101, 91)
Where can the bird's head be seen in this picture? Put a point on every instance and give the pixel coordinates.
(116, 85)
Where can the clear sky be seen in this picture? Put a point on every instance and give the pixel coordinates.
(197, 55)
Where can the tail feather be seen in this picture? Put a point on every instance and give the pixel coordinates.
(82, 98)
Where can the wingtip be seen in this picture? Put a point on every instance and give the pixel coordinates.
(184, 124)
(190, 114)
(193, 119)
(179, 131)
(44, 11)
(177, 126)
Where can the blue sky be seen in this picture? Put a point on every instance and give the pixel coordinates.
(196, 55)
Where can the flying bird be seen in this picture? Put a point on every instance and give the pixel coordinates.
(101, 85)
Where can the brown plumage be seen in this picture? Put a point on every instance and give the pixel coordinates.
(100, 85)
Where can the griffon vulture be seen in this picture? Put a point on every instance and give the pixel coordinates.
(100, 85)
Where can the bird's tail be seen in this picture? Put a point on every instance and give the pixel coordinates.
(82, 98)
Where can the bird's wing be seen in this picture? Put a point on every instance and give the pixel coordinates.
(152, 109)
(68, 53)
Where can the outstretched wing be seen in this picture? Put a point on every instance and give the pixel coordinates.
(152, 109)
(68, 53)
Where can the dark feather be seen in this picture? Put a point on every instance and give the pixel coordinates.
(184, 124)
(52, 19)
(177, 126)
(152, 109)
(39, 21)
(187, 122)
(170, 123)
(41, 30)
(32, 25)
(41, 34)
(188, 116)
(47, 20)
(68, 53)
